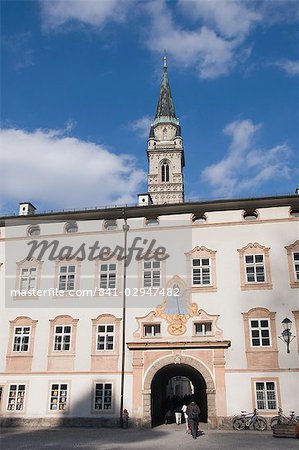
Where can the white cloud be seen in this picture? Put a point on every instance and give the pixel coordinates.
(49, 168)
(246, 166)
(141, 126)
(289, 66)
(211, 37)
(231, 18)
(97, 13)
(213, 48)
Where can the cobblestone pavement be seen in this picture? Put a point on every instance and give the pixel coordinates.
(166, 437)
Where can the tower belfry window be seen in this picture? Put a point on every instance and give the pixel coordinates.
(165, 172)
(164, 134)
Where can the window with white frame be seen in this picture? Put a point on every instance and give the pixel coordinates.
(21, 339)
(201, 271)
(62, 338)
(105, 337)
(151, 274)
(67, 276)
(16, 397)
(58, 397)
(296, 265)
(260, 333)
(108, 276)
(255, 268)
(151, 330)
(266, 397)
(103, 397)
(203, 328)
(28, 278)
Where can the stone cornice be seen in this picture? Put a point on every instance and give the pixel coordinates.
(157, 210)
(150, 345)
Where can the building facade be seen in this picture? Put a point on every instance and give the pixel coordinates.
(108, 309)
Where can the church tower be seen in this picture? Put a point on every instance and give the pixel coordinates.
(165, 150)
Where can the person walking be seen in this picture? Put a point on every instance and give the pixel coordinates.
(184, 410)
(125, 418)
(193, 412)
(178, 415)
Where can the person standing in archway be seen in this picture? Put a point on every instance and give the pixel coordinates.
(178, 414)
(184, 410)
(193, 412)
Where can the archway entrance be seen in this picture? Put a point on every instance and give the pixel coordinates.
(168, 385)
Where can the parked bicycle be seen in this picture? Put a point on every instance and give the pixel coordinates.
(283, 419)
(244, 421)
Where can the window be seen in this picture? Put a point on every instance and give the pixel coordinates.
(105, 337)
(28, 278)
(250, 215)
(151, 330)
(165, 172)
(201, 218)
(62, 344)
(203, 329)
(58, 397)
(33, 230)
(151, 274)
(21, 339)
(110, 225)
(296, 265)
(108, 276)
(66, 278)
(260, 332)
(152, 222)
(62, 338)
(20, 346)
(255, 270)
(201, 271)
(105, 342)
(164, 134)
(255, 267)
(294, 213)
(71, 227)
(260, 338)
(103, 397)
(293, 263)
(265, 392)
(16, 397)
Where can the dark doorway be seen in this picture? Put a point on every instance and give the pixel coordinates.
(161, 403)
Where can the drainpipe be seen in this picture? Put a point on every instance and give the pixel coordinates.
(123, 353)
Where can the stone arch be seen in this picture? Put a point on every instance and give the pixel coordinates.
(179, 359)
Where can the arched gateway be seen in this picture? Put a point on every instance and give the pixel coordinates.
(159, 374)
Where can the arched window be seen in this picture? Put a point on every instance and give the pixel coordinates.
(33, 230)
(71, 227)
(164, 134)
(110, 224)
(165, 171)
(250, 215)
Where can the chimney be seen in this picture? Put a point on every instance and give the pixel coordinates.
(144, 200)
(26, 209)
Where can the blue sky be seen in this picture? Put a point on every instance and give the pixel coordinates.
(80, 82)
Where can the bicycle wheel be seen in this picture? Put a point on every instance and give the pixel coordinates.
(260, 424)
(275, 421)
(238, 424)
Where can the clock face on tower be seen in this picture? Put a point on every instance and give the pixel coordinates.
(165, 132)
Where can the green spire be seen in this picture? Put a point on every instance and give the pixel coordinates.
(165, 107)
